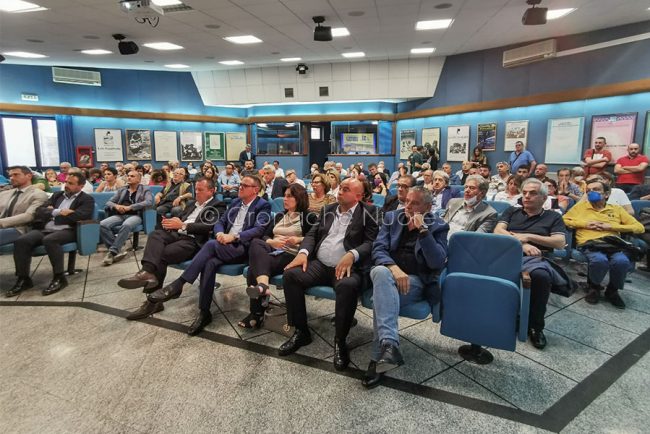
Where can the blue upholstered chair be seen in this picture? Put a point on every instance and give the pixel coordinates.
(485, 296)
(277, 205)
(155, 189)
(378, 200)
(460, 188)
(499, 206)
(100, 203)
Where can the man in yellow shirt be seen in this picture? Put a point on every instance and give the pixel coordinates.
(594, 219)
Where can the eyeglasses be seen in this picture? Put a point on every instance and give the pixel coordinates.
(247, 185)
(405, 186)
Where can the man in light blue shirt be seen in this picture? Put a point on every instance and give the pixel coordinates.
(229, 182)
(521, 157)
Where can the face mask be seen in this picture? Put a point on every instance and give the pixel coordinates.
(471, 201)
(594, 196)
(579, 178)
(377, 182)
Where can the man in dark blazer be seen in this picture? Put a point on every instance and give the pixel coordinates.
(335, 252)
(408, 254)
(398, 201)
(275, 187)
(246, 219)
(55, 224)
(246, 155)
(178, 241)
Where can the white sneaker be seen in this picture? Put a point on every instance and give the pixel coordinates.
(108, 259)
(121, 255)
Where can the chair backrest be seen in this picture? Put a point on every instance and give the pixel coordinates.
(638, 205)
(498, 205)
(155, 189)
(393, 190)
(460, 188)
(486, 254)
(102, 198)
(378, 199)
(277, 205)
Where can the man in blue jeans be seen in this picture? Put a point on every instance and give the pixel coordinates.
(408, 254)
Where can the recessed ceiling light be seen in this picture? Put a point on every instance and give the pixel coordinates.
(433, 24)
(291, 59)
(19, 6)
(210, 57)
(340, 31)
(275, 53)
(356, 13)
(553, 14)
(176, 66)
(149, 61)
(24, 54)
(212, 26)
(246, 39)
(166, 2)
(443, 6)
(36, 41)
(231, 62)
(163, 46)
(354, 54)
(422, 50)
(97, 51)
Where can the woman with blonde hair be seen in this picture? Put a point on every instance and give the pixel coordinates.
(319, 197)
(334, 179)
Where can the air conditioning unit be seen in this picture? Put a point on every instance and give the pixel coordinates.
(530, 53)
(76, 76)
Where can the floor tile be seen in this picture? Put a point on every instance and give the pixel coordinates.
(453, 381)
(627, 319)
(318, 348)
(73, 292)
(359, 334)
(427, 335)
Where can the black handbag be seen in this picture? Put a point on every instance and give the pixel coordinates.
(613, 244)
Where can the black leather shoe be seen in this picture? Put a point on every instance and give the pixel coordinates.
(147, 309)
(165, 293)
(199, 323)
(141, 279)
(372, 378)
(391, 358)
(299, 339)
(21, 284)
(537, 338)
(613, 297)
(341, 355)
(56, 285)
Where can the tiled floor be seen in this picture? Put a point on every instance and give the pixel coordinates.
(73, 369)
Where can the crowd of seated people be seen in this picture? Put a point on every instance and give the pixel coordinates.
(330, 232)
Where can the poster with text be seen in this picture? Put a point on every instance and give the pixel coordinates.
(215, 146)
(191, 146)
(646, 141)
(618, 131)
(516, 131)
(235, 143)
(166, 145)
(564, 140)
(406, 142)
(108, 144)
(431, 138)
(358, 143)
(458, 143)
(138, 145)
(487, 136)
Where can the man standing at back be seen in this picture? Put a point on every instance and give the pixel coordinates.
(521, 157)
(18, 205)
(247, 155)
(631, 168)
(597, 158)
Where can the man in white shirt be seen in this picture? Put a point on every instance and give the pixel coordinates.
(229, 181)
(279, 172)
(341, 170)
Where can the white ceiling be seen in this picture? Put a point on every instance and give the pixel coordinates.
(386, 30)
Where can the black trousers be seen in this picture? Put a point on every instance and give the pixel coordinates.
(52, 241)
(540, 290)
(295, 282)
(260, 263)
(164, 248)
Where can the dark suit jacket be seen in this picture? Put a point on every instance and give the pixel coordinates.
(279, 186)
(257, 218)
(360, 234)
(243, 158)
(204, 223)
(447, 194)
(430, 249)
(390, 204)
(83, 206)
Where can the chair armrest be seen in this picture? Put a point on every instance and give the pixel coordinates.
(524, 307)
(87, 237)
(149, 220)
(525, 279)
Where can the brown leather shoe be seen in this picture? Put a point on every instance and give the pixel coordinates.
(141, 279)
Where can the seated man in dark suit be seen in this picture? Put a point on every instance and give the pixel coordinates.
(335, 252)
(398, 201)
(178, 241)
(245, 219)
(18, 204)
(246, 155)
(54, 225)
(408, 254)
(275, 187)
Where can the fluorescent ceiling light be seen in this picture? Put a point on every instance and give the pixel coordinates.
(24, 54)
(262, 125)
(553, 14)
(354, 54)
(19, 6)
(166, 2)
(163, 46)
(231, 62)
(340, 31)
(246, 39)
(97, 51)
(176, 66)
(422, 50)
(291, 59)
(433, 24)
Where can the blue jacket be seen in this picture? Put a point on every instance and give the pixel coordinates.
(430, 249)
(257, 218)
(448, 193)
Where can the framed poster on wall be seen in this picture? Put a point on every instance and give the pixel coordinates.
(646, 141)
(406, 142)
(108, 144)
(486, 136)
(564, 140)
(215, 146)
(431, 138)
(235, 143)
(516, 131)
(165, 145)
(618, 131)
(191, 146)
(457, 143)
(84, 156)
(138, 144)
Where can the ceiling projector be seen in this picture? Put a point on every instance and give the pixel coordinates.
(141, 8)
(534, 16)
(322, 33)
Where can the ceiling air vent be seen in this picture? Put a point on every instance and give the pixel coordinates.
(530, 53)
(76, 76)
(324, 91)
(288, 92)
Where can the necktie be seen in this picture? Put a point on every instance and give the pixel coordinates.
(12, 204)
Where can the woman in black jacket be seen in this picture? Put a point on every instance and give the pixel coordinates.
(280, 244)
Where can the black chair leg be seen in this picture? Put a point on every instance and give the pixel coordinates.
(136, 241)
(72, 261)
(475, 354)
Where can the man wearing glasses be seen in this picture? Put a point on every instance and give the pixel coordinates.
(398, 201)
(596, 159)
(245, 220)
